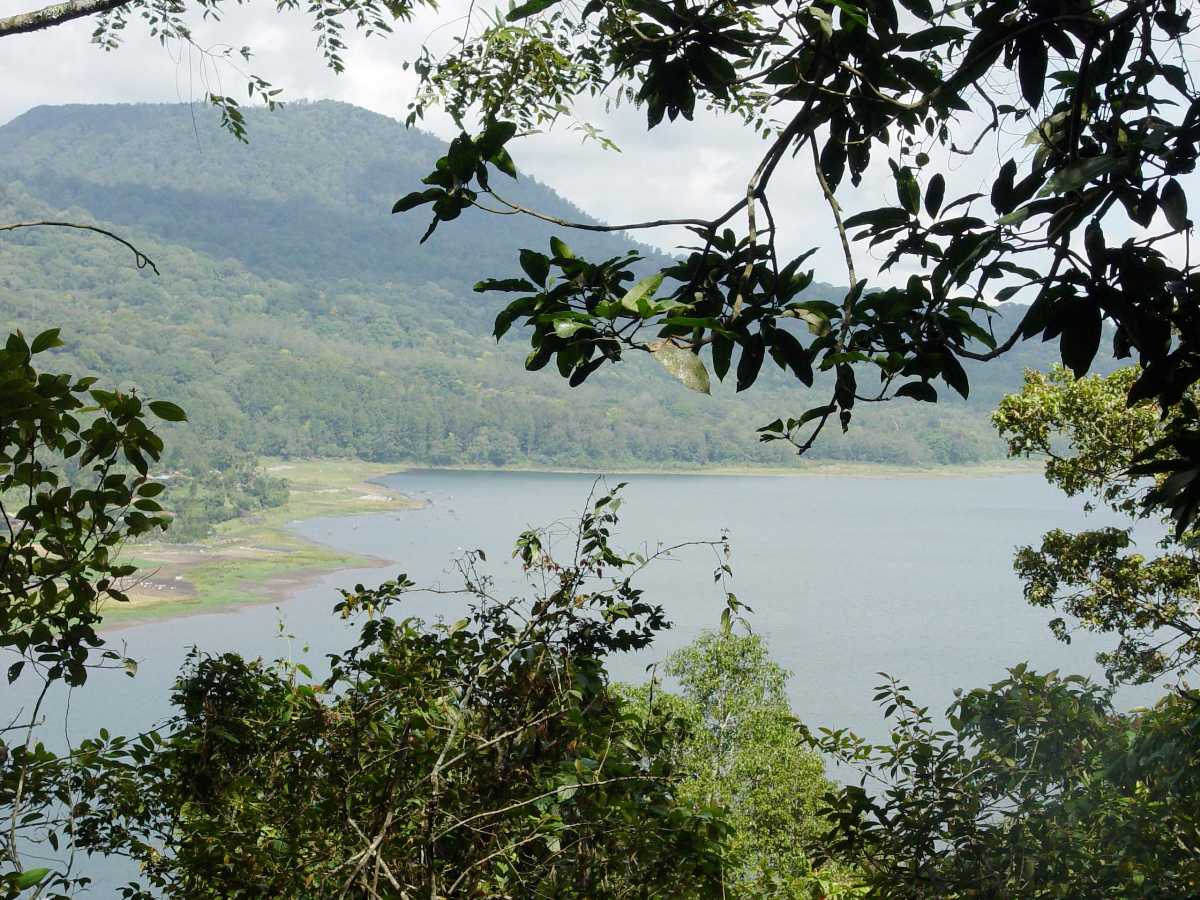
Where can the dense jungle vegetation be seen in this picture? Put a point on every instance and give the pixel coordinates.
(493, 756)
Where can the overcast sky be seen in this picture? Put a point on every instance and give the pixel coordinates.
(680, 169)
(684, 169)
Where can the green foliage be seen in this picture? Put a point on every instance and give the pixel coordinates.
(1083, 429)
(211, 491)
(488, 757)
(739, 750)
(1090, 438)
(74, 485)
(1101, 91)
(59, 540)
(1036, 789)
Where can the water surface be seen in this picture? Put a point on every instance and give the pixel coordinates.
(847, 577)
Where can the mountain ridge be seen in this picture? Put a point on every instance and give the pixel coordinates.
(296, 316)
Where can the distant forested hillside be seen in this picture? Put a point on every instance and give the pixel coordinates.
(295, 316)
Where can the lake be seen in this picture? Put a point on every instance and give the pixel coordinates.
(847, 577)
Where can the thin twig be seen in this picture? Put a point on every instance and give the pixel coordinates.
(141, 258)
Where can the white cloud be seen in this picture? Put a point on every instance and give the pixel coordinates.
(680, 169)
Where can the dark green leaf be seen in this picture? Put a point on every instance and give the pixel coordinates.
(908, 191)
(45, 341)
(932, 37)
(532, 8)
(750, 362)
(1002, 197)
(416, 198)
(954, 374)
(922, 9)
(885, 217)
(1174, 205)
(167, 411)
(502, 161)
(1031, 67)
(722, 354)
(918, 390)
(1081, 337)
(536, 266)
(935, 192)
(510, 285)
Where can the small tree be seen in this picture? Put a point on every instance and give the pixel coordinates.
(1036, 788)
(1089, 438)
(739, 749)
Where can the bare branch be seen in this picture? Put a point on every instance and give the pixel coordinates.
(49, 16)
(582, 226)
(141, 258)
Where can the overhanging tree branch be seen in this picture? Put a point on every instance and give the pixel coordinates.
(56, 14)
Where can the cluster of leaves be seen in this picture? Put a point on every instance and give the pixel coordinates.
(1101, 89)
(465, 160)
(74, 484)
(1036, 788)
(488, 757)
(1091, 440)
(59, 542)
(520, 70)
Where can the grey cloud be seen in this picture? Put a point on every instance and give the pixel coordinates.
(678, 169)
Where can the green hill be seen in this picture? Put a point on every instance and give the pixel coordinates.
(295, 316)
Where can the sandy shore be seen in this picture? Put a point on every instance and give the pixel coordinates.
(257, 558)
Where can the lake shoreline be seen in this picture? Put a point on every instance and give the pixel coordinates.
(809, 470)
(260, 559)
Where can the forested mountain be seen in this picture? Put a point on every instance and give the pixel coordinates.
(295, 316)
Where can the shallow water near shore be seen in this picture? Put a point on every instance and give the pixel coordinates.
(847, 577)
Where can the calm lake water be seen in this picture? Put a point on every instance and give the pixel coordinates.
(847, 576)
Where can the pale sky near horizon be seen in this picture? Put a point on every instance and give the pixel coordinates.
(679, 169)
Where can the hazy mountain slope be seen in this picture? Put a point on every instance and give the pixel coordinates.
(295, 315)
(310, 195)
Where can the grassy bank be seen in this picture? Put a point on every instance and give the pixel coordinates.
(256, 558)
